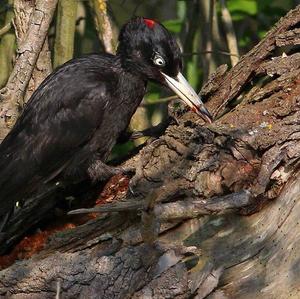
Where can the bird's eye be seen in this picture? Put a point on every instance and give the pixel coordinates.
(158, 60)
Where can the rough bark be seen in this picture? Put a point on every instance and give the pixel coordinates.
(33, 19)
(248, 156)
(42, 68)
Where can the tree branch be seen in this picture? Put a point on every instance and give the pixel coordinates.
(65, 31)
(5, 28)
(106, 31)
(12, 94)
(230, 34)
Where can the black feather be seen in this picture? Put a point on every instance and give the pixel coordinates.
(72, 121)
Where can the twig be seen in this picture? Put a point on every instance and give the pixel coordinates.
(190, 34)
(58, 289)
(205, 52)
(119, 207)
(207, 40)
(230, 34)
(159, 101)
(104, 25)
(180, 209)
(65, 31)
(5, 28)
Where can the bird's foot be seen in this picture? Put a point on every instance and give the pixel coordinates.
(133, 185)
(126, 170)
(136, 135)
(99, 171)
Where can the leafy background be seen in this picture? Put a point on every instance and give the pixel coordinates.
(186, 19)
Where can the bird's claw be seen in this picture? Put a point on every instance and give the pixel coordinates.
(136, 135)
(130, 188)
(132, 185)
(126, 170)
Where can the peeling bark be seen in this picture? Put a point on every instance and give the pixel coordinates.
(253, 150)
(24, 12)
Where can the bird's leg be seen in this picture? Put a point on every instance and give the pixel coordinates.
(99, 171)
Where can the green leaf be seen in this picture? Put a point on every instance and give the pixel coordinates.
(192, 73)
(238, 16)
(248, 7)
(151, 97)
(173, 25)
(264, 5)
(244, 41)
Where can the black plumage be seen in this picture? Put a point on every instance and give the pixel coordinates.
(72, 121)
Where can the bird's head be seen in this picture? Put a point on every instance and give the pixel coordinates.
(147, 48)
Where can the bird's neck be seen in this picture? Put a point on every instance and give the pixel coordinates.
(132, 83)
(130, 66)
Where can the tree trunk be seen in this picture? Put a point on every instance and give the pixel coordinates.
(215, 211)
(32, 65)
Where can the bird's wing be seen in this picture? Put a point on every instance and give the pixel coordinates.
(60, 117)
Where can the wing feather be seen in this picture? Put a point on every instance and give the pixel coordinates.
(60, 117)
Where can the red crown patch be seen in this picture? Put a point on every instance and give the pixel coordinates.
(149, 23)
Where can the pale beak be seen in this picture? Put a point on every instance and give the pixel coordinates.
(186, 93)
